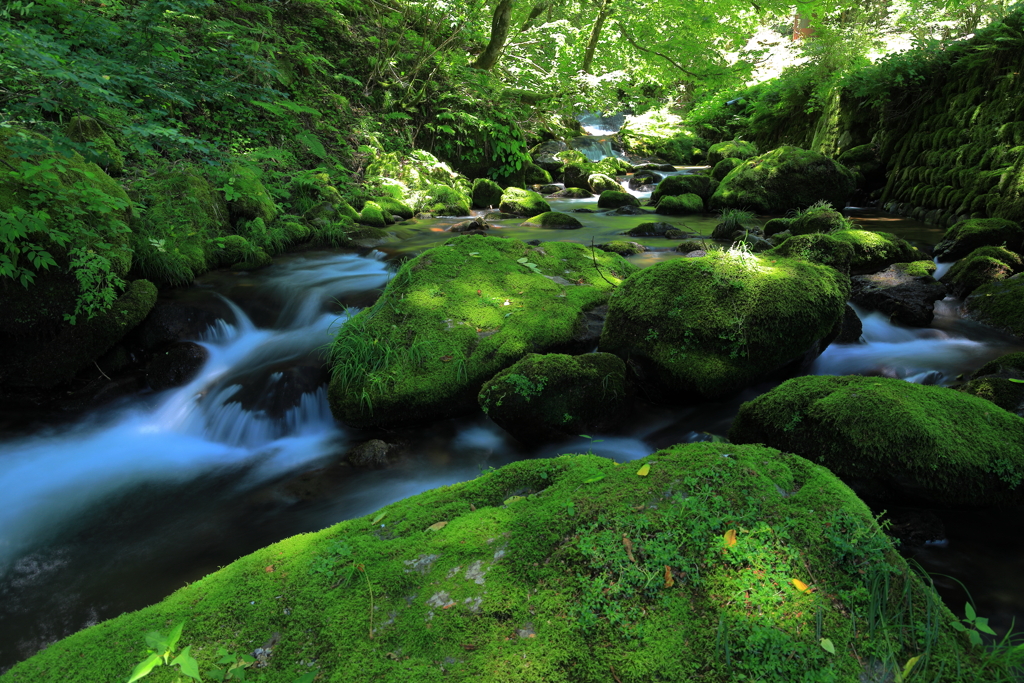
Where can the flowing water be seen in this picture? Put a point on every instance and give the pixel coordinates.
(135, 499)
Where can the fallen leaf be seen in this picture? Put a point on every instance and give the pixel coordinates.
(437, 526)
(730, 538)
(445, 359)
(644, 471)
(472, 508)
(593, 479)
(378, 518)
(1018, 381)
(479, 293)
(468, 646)
(629, 548)
(513, 499)
(827, 646)
(669, 581)
(801, 586)
(269, 569)
(910, 665)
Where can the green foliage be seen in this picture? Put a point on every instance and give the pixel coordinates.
(161, 647)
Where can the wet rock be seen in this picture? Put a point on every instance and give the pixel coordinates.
(477, 226)
(627, 210)
(573, 193)
(906, 292)
(643, 179)
(623, 248)
(915, 527)
(980, 267)
(658, 229)
(171, 321)
(1000, 381)
(549, 189)
(664, 168)
(176, 365)
(966, 236)
(373, 454)
(851, 328)
(554, 220)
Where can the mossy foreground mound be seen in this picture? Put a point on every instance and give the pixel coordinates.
(723, 563)
(454, 316)
(706, 327)
(929, 442)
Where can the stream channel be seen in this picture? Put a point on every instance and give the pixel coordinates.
(118, 508)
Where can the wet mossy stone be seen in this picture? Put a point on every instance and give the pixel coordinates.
(534, 552)
(85, 129)
(457, 314)
(906, 292)
(613, 199)
(373, 216)
(966, 236)
(875, 251)
(1007, 365)
(818, 219)
(658, 229)
(486, 193)
(522, 202)
(784, 179)
(680, 205)
(254, 260)
(554, 220)
(572, 156)
(549, 397)
(393, 207)
(723, 167)
(249, 198)
(535, 175)
(599, 182)
(1001, 391)
(890, 437)
(817, 248)
(774, 226)
(859, 155)
(576, 174)
(700, 328)
(623, 248)
(731, 149)
(675, 185)
(999, 305)
(309, 190)
(573, 193)
(981, 266)
(442, 200)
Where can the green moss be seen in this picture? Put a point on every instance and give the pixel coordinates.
(784, 179)
(622, 247)
(981, 266)
(599, 182)
(860, 154)
(680, 205)
(454, 316)
(394, 207)
(917, 268)
(937, 444)
(675, 185)
(522, 202)
(577, 173)
(820, 217)
(731, 149)
(966, 236)
(724, 167)
(535, 175)
(999, 390)
(613, 199)
(486, 193)
(574, 193)
(555, 220)
(85, 129)
(776, 225)
(709, 326)
(874, 251)
(445, 201)
(553, 396)
(572, 156)
(1010, 364)
(248, 199)
(816, 248)
(373, 216)
(999, 304)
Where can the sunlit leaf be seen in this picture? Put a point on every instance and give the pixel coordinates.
(730, 538)
(144, 667)
(378, 517)
(669, 581)
(969, 611)
(593, 479)
(189, 665)
(644, 471)
(1014, 379)
(513, 499)
(522, 260)
(801, 586)
(437, 526)
(910, 665)
(827, 646)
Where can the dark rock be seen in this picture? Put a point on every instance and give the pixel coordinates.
(627, 210)
(664, 168)
(373, 454)
(658, 229)
(171, 321)
(851, 327)
(477, 226)
(907, 297)
(175, 366)
(643, 179)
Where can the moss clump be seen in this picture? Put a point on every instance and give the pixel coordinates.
(486, 193)
(535, 175)
(680, 205)
(784, 179)
(534, 553)
(1010, 365)
(622, 247)
(454, 316)
(613, 166)
(576, 174)
(554, 220)
(706, 327)
(981, 266)
(573, 193)
(917, 268)
(774, 226)
(85, 129)
(816, 248)
(999, 304)
(572, 156)
(923, 441)
(820, 217)
(599, 182)
(724, 167)
(1001, 391)
(731, 149)
(675, 185)
(394, 207)
(248, 199)
(966, 236)
(442, 200)
(554, 396)
(874, 251)
(373, 216)
(613, 199)
(522, 202)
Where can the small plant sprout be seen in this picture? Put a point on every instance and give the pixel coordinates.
(161, 647)
(973, 625)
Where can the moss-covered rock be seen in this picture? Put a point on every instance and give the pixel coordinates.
(874, 251)
(680, 205)
(442, 200)
(248, 199)
(572, 156)
(999, 304)
(548, 397)
(573, 193)
(1002, 391)
(622, 247)
(1007, 365)
(486, 193)
(613, 199)
(675, 185)
(576, 174)
(818, 218)
(817, 248)
(393, 207)
(784, 179)
(85, 129)
(698, 328)
(925, 442)
(535, 175)
(906, 292)
(522, 202)
(599, 182)
(454, 316)
(373, 216)
(964, 237)
(555, 220)
(731, 149)
(981, 266)
(774, 226)
(531, 559)
(657, 229)
(724, 167)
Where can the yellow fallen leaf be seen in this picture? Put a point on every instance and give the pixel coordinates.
(801, 586)
(629, 548)
(910, 665)
(644, 471)
(669, 581)
(438, 526)
(730, 538)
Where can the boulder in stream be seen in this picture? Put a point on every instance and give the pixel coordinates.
(964, 237)
(1000, 381)
(890, 438)
(675, 185)
(701, 328)
(486, 193)
(176, 365)
(817, 248)
(554, 220)
(906, 292)
(457, 314)
(522, 202)
(1000, 305)
(551, 558)
(981, 266)
(731, 149)
(680, 205)
(614, 199)
(573, 193)
(875, 251)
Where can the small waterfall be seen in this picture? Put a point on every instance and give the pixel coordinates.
(942, 268)
(597, 124)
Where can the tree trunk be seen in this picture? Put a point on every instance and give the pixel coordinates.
(499, 32)
(595, 34)
(537, 10)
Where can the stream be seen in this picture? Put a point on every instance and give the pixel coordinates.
(137, 498)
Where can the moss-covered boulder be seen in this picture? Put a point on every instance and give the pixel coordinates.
(613, 199)
(874, 251)
(656, 229)
(731, 149)
(680, 205)
(457, 314)
(442, 200)
(622, 247)
(486, 193)
(572, 156)
(999, 304)
(512, 575)
(554, 220)
(698, 328)
(535, 175)
(548, 397)
(817, 248)
(675, 185)
(1002, 391)
(576, 174)
(374, 216)
(774, 226)
(573, 193)
(599, 182)
(87, 130)
(964, 237)
(247, 197)
(784, 179)
(818, 218)
(393, 207)
(723, 167)
(522, 202)
(981, 266)
(891, 437)
(906, 292)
